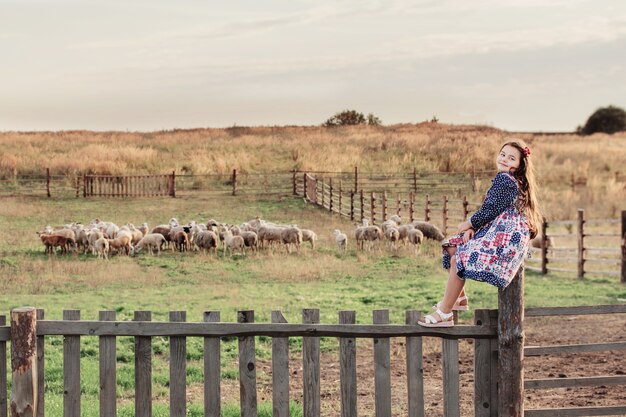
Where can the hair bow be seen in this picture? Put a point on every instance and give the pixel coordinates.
(526, 151)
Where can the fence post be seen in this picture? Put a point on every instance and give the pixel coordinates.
(362, 206)
(48, 181)
(373, 207)
(84, 186)
(414, 179)
(173, 184)
(485, 369)
(24, 361)
(623, 246)
(280, 370)
(384, 205)
(247, 368)
(352, 205)
(544, 247)
(581, 243)
(444, 214)
(311, 366)
(306, 197)
(234, 181)
(143, 369)
(322, 180)
(293, 180)
(511, 347)
(411, 207)
(382, 367)
(356, 179)
(347, 367)
(107, 361)
(427, 209)
(77, 186)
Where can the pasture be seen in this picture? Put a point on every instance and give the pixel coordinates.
(194, 282)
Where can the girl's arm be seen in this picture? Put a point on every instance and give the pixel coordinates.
(501, 195)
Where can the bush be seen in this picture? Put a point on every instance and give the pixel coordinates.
(350, 118)
(609, 119)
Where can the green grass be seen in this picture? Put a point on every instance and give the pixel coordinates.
(197, 283)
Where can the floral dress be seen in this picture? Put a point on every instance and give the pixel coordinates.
(500, 243)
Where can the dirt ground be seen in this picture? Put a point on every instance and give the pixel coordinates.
(539, 331)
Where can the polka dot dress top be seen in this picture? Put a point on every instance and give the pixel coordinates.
(500, 243)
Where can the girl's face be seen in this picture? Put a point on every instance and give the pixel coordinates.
(508, 159)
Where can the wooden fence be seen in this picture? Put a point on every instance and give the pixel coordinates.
(581, 250)
(586, 381)
(161, 185)
(377, 207)
(492, 393)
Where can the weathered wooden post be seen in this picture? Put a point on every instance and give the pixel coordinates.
(3, 371)
(581, 243)
(48, 182)
(234, 182)
(247, 368)
(293, 180)
(384, 206)
(280, 371)
(511, 347)
(427, 209)
(340, 193)
(347, 367)
(24, 362)
(173, 184)
(414, 180)
(544, 247)
(306, 197)
(411, 206)
(84, 186)
(373, 207)
(352, 205)
(362, 206)
(311, 367)
(77, 186)
(322, 181)
(398, 203)
(623, 246)
(356, 179)
(485, 368)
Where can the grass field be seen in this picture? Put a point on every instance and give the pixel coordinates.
(196, 283)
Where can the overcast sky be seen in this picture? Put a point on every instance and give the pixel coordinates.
(151, 65)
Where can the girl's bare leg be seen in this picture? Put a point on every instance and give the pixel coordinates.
(454, 288)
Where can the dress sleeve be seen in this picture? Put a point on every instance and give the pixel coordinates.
(501, 195)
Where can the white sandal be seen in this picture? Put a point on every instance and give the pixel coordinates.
(443, 319)
(461, 304)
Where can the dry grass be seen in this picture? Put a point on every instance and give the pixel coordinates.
(398, 148)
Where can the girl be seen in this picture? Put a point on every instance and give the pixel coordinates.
(491, 245)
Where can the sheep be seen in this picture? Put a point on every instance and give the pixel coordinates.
(416, 237)
(537, 243)
(144, 229)
(430, 231)
(269, 234)
(250, 239)
(151, 241)
(82, 240)
(206, 240)
(121, 244)
(181, 241)
(392, 235)
(396, 219)
(370, 234)
(291, 236)
(52, 241)
(163, 230)
(309, 236)
(404, 232)
(341, 239)
(69, 235)
(101, 247)
(233, 242)
(92, 236)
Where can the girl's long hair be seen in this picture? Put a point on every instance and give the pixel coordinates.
(525, 176)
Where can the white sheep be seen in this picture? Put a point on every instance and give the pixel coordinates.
(415, 238)
(206, 240)
(309, 236)
(291, 236)
(102, 247)
(392, 235)
(341, 239)
(233, 242)
(151, 241)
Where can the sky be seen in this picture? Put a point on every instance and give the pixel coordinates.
(519, 65)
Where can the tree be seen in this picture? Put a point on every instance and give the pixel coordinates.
(350, 118)
(609, 119)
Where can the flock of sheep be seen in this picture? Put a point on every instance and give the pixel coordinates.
(103, 238)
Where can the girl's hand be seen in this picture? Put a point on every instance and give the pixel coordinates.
(469, 233)
(464, 226)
